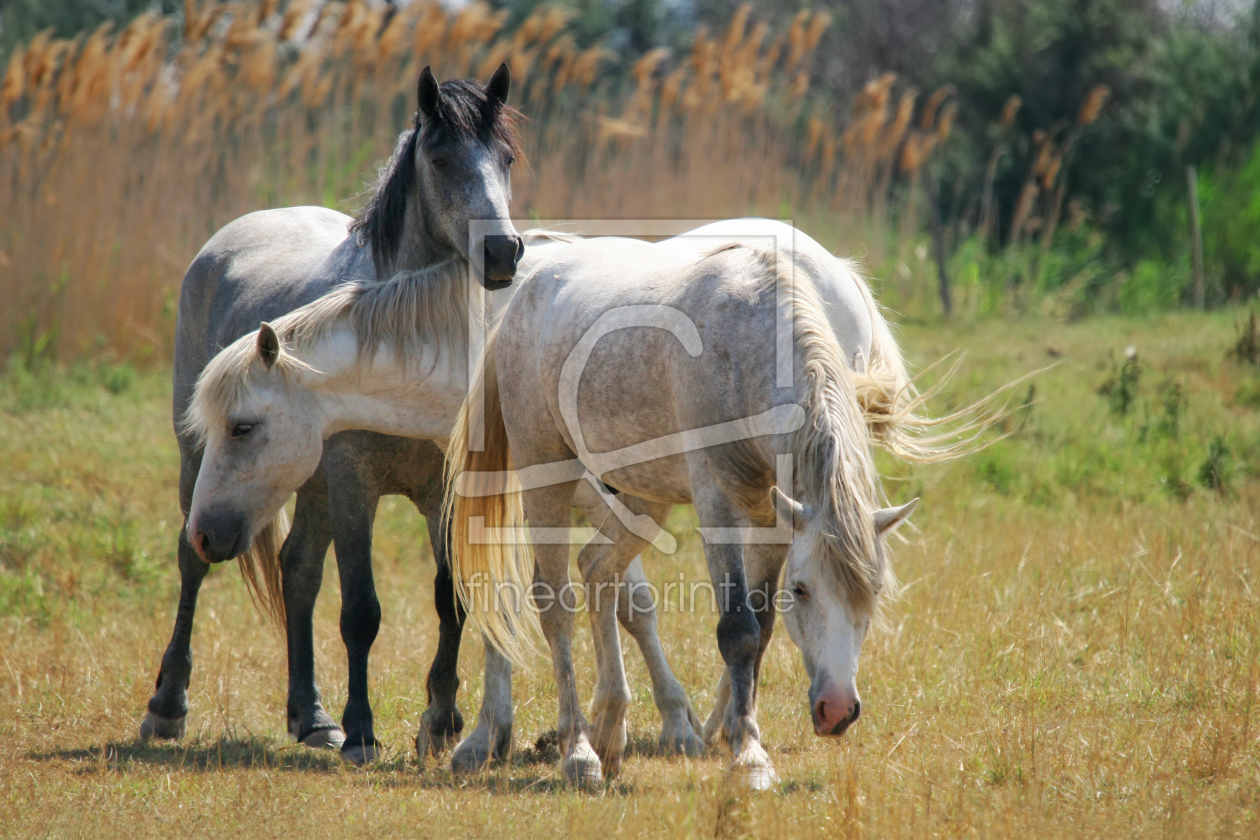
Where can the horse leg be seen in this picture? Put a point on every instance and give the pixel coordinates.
(636, 610)
(612, 693)
(762, 565)
(550, 508)
(739, 636)
(441, 722)
(302, 572)
(492, 737)
(168, 708)
(352, 505)
(721, 700)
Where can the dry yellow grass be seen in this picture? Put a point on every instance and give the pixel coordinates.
(120, 156)
(1081, 663)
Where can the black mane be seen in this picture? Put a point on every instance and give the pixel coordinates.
(465, 113)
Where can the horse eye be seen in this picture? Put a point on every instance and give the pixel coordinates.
(511, 160)
(440, 163)
(242, 429)
(800, 592)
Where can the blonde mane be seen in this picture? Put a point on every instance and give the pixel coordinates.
(833, 460)
(429, 304)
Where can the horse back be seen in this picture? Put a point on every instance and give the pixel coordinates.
(257, 268)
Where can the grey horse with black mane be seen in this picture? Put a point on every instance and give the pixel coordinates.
(452, 167)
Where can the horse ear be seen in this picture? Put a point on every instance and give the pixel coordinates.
(887, 519)
(268, 345)
(427, 94)
(789, 507)
(500, 83)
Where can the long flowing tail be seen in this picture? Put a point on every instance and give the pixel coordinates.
(490, 557)
(260, 567)
(895, 410)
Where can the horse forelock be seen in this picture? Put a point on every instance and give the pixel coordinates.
(226, 384)
(412, 306)
(465, 113)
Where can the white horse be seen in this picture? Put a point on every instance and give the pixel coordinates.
(724, 382)
(390, 357)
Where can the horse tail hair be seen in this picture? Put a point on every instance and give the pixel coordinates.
(260, 567)
(489, 556)
(896, 411)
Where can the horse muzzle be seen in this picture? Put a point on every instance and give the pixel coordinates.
(502, 255)
(219, 537)
(834, 710)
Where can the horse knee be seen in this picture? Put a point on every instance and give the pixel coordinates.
(739, 637)
(360, 620)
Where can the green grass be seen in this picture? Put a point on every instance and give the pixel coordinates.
(1075, 654)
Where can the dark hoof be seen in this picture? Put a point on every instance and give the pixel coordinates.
(156, 726)
(361, 754)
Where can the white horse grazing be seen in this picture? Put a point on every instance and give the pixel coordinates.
(390, 356)
(720, 382)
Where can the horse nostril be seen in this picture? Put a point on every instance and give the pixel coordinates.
(857, 711)
(820, 711)
(520, 248)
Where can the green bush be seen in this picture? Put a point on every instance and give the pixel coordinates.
(1153, 286)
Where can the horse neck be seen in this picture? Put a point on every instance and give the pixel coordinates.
(418, 248)
(413, 391)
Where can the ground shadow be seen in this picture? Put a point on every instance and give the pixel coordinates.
(533, 768)
(225, 753)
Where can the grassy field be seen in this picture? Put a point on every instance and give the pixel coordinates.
(1075, 654)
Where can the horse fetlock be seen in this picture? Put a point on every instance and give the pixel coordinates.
(680, 738)
(608, 737)
(739, 733)
(443, 723)
(157, 726)
(439, 730)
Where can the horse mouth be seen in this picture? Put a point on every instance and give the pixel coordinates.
(493, 284)
(204, 548)
(837, 731)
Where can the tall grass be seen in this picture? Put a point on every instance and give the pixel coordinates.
(122, 153)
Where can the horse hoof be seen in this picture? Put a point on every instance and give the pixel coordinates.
(686, 743)
(470, 756)
(755, 778)
(582, 769)
(430, 743)
(332, 739)
(361, 754)
(170, 729)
